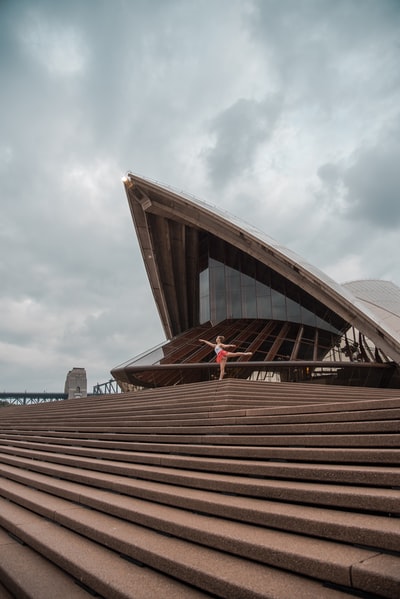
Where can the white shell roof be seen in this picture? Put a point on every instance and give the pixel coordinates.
(373, 307)
(381, 298)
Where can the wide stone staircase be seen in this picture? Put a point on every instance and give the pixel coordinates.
(229, 489)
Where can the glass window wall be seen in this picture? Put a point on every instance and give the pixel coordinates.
(234, 285)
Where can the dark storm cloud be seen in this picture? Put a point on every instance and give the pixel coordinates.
(373, 185)
(316, 45)
(370, 186)
(238, 131)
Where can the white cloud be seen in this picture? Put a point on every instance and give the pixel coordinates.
(56, 47)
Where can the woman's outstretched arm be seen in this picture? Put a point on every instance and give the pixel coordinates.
(207, 342)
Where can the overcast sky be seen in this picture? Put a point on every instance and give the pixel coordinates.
(285, 113)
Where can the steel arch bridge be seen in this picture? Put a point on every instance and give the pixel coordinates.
(28, 397)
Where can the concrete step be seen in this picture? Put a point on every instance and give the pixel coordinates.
(19, 567)
(4, 594)
(226, 417)
(228, 489)
(219, 570)
(212, 409)
(231, 428)
(236, 418)
(311, 439)
(151, 466)
(74, 444)
(380, 531)
(220, 399)
(100, 569)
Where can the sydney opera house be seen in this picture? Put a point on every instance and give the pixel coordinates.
(212, 274)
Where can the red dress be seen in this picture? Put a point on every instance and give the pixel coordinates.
(221, 354)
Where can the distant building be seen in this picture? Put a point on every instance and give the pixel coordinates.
(76, 383)
(212, 274)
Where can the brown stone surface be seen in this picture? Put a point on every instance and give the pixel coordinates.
(28, 574)
(232, 488)
(4, 594)
(379, 575)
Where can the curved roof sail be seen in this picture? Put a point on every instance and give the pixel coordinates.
(168, 225)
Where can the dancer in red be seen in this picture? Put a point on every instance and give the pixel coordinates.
(221, 349)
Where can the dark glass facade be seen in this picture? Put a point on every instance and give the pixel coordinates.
(234, 285)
